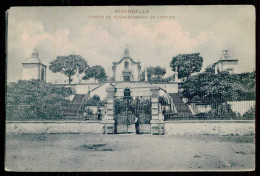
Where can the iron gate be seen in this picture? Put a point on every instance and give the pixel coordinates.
(127, 108)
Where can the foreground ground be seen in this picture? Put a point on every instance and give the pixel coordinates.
(86, 152)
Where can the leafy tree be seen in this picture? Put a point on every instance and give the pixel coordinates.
(186, 64)
(219, 87)
(68, 65)
(35, 99)
(210, 68)
(97, 72)
(142, 75)
(155, 73)
(93, 101)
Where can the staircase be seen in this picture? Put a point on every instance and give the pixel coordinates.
(74, 106)
(182, 108)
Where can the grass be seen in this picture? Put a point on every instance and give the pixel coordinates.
(197, 156)
(96, 147)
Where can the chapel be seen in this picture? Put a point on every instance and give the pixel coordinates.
(33, 68)
(126, 69)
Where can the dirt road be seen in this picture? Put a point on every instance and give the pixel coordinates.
(87, 152)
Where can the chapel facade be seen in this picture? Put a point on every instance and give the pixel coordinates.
(126, 69)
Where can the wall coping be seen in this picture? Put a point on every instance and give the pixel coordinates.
(116, 82)
(209, 121)
(169, 121)
(72, 121)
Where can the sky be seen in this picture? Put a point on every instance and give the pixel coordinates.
(60, 31)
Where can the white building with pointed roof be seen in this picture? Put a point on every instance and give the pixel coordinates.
(226, 62)
(33, 68)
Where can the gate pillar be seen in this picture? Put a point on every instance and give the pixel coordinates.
(109, 121)
(157, 126)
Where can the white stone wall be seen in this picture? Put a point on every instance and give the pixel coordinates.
(231, 64)
(100, 91)
(82, 89)
(135, 92)
(224, 65)
(237, 106)
(52, 127)
(170, 88)
(137, 88)
(30, 71)
(241, 106)
(209, 127)
(201, 127)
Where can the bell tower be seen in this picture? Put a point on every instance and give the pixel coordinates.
(126, 52)
(33, 68)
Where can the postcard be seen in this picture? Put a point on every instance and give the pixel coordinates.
(130, 88)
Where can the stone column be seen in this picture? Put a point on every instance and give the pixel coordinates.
(114, 72)
(176, 74)
(108, 121)
(157, 126)
(145, 75)
(139, 70)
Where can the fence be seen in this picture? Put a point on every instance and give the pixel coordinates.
(215, 110)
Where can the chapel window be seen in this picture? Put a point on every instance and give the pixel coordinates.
(126, 78)
(127, 92)
(126, 64)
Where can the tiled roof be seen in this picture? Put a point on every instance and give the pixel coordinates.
(34, 59)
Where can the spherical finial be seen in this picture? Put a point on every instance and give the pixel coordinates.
(34, 53)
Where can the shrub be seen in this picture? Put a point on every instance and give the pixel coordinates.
(145, 118)
(222, 111)
(121, 105)
(126, 117)
(162, 100)
(35, 99)
(94, 101)
(89, 111)
(250, 114)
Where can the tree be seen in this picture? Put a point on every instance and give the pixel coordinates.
(142, 75)
(155, 73)
(210, 68)
(97, 72)
(186, 64)
(35, 99)
(68, 65)
(219, 87)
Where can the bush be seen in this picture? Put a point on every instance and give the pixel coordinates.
(222, 111)
(126, 117)
(250, 114)
(121, 105)
(89, 111)
(35, 99)
(145, 118)
(94, 101)
(162, 100)
(128, 109)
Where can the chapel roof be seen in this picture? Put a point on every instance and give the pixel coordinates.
(126, 56)
(226, 56)
(34, 59)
